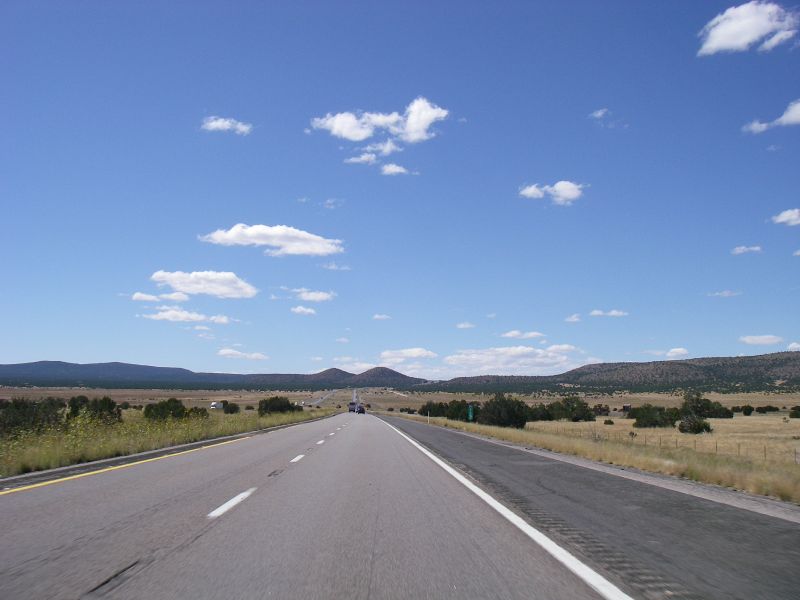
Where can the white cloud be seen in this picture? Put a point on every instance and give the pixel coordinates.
(491, 316)
(221, 284)
(312, 295)
(393, 169)
(174, 297)
(677, 352)
(796, 253)
(316, 358)
(222, 124)
(303, 310)
(396, 357)
(353, 365)
(793, 347)
(231, 353)
(380, 317)
(411, 127)
(521, 335)
(761, 340)
(791, 116)
(332, 266)
(343, 340)
(284, 239)
(608, 313)
(724, 294)
(789, 217)
(512, 360)
(561, 348)
(745, 250)
(201, 328)
(562, 193)
(465, 325)
(367, 158)
(332, 203)
(741, 27)
(140, 297)
(177, 314)
(384, 148)
(419, 117)
(573, 318)
(599, 113)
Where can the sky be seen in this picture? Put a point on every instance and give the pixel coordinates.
(447, 190)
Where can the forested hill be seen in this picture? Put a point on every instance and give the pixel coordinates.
(766, 372)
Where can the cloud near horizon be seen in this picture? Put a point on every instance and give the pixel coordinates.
(231, 353)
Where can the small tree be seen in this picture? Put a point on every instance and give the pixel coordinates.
(693, 424)
(230, 408)
(165, 409)
(747, 410)
(504, 411)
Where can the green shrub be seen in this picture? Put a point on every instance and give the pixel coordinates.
(276, 404)
(794, 413)
(765, 409)
(691, 423)
(165, 409)
(540, 412)
(197, 412)
(249, 407)
(390, 409)
(504, 411)
(125, 405)
(694, 403)
(19, 414)
(747, 410)
(571, 408)
(736, 409)
(230, 408)
(648, 415)
(608, 422)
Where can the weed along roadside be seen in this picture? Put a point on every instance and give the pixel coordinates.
(753, 454)
(52, 433)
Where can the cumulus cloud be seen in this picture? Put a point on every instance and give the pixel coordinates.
(312, 295)
(740, 28)
(393, 169)
(333, 266)
(413, 126)
(343, 340)
(562, 193)
(677, 352)
(608, 313)
(177, 314)
(231, 353)
(303, 310)
(366, 158)
(789, 217)
(396, 357)
(599, 113)
(140, 297)
(573, 318)
(512, 360)
(793, 347)
(761, 340)
(384, 148)
(380, 317)
(221, 284)
(353, 365)
(746, 250)
(282, 239)
(796, 253)
(521, 335)
(791, 116)
(223, 124)
(724, 294)
(465, 325)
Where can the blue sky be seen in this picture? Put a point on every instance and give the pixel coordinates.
(547, 160)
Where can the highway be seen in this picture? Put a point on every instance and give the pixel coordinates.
(349, 507)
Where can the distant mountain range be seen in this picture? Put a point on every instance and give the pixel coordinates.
(766, 372)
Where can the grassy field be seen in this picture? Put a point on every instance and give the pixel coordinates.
(714, 461)
(85, 440)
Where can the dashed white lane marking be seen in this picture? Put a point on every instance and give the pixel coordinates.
(320, 442)
(330, 434)
(297, 458)
(338, 429)
(230, 504)
(589, 576)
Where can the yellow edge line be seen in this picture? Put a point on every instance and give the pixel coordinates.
(117, 467)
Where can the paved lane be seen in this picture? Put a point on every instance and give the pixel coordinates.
(363, 514)
(656, 540)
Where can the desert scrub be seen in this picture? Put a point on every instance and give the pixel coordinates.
(85, 438)
(776, 478)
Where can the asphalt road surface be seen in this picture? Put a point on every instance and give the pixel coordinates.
(347, 507)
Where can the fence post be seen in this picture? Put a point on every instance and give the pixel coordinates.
(765, 452)
(739, 449)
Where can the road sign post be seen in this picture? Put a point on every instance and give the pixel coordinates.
(470, 412)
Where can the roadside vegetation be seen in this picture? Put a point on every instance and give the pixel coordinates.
(701, 440)
(52, 432)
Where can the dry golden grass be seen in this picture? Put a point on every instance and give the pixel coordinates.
(85, 439)
(776, 476)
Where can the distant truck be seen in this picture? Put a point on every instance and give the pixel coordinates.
(351, 407)
(216, 404)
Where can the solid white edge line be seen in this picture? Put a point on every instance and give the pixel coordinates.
(297, 458)
(590, 577)
(320, 442)
(230, 504)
